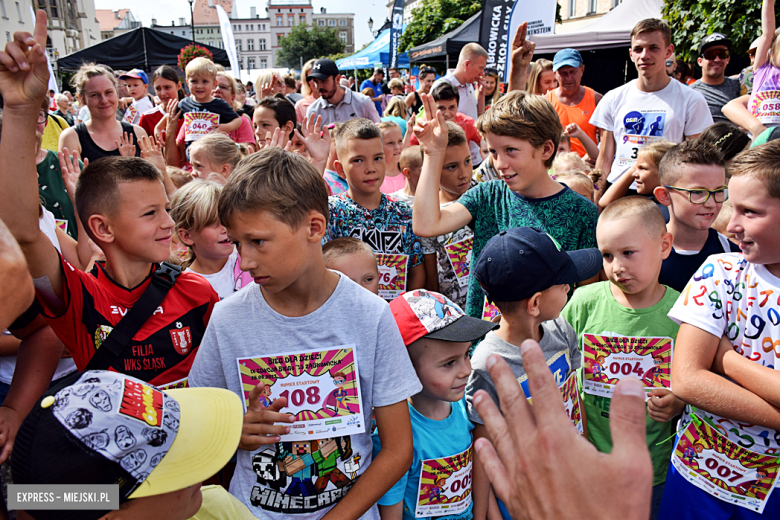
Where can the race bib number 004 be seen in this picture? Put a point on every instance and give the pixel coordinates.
(445, 486)
(608, 359)
(322, 389)
(392, 274)
(723, 469)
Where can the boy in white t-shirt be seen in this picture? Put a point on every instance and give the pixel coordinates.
(651, 108)
(411, 167)
(319, 349)
(725, 362)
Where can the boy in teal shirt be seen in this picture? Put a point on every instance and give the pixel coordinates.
(633, 241)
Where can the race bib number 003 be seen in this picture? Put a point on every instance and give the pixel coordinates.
(723, 469)
(392, 274)
(445, 486)
(608, 359)
(322, 389)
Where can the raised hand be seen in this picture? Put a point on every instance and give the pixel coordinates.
(522, 49)
(24, 74)
(151, 150)
(316, 140)
(125, 145)
(70, 169)
(275, 139)
(266, 90)
(431, 130)
(259, 427)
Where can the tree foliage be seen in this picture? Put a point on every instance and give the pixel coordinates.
(308, 43)
(436, 17)
(692, 20)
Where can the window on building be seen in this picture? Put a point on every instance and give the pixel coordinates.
(250, 45)
(321, 23)
(343, 37)
(279, 38)
(263, 63)
(263, 29)
(52, 10)
(342, 22)
(615, 3)
(238, 45)
(591, 6)
(572, 8)
(234, 27)
(279, 20)
(8, 36)
(2, 10)
(290, 20)
(19, 12)
(301, 19)
(331, 23)
(251, 63)
(262, 44)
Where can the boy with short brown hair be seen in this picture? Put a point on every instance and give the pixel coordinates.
(410, 165)
(320, 324)
(624, 320)
(366, 213)
(724, 364)
(523, 132)
(355, 259)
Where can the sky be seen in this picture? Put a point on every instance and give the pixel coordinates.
(167, 10)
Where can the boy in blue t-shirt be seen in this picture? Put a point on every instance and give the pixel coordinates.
(693, 186)
(523, 132)
(438, 336)
(366, 213)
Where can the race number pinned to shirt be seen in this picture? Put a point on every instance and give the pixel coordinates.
(445, 486)
(138, 107)
(130, 114)
(459, 255)
(608, 359)
(723, 469)
(489, 311)
(567, 383)
(62, 224)
(641, 129)
(765, 106)
(322, 389)
(198, 124)
(392, 274)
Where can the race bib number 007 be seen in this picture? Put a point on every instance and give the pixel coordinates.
(723, 469)
(445, 486)
(322, 389)
(608, 359)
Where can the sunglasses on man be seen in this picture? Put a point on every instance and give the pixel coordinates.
(711, 54)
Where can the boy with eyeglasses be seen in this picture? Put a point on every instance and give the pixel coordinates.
(693, 186)
(714, 57)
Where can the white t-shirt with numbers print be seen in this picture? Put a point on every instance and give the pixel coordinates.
(728, 295)
(638, 118)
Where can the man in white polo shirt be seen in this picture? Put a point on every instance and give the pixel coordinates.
(470, 69)
(336, 104)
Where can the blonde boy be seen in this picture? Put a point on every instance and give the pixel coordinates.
(734, 381)
(202, 112)
(353, 258)
(410, 165)
(633, 242)
(693, 186)
(275, 207)
(523, 132)
(365, 213)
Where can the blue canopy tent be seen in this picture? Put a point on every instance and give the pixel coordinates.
(377, 51)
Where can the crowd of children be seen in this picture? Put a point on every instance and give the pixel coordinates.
(353, 283)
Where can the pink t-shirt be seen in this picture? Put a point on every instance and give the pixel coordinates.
(765, 100)
(392, 184)
(244, 134)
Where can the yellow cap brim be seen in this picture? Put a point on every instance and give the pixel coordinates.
(210, 424)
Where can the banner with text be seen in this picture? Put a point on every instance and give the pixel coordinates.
(395, 31)
(540, 15)
(493, 29)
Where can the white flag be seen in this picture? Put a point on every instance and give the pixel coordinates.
(230, 43)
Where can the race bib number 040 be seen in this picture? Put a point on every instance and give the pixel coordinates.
(445, 486)
(608, 359)
(198, 124)
(723, 469)
(322, 389)
(392, 274)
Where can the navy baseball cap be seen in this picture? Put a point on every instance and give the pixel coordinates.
(712, 40)
(323, 69)
(570, 57)
(519, 262)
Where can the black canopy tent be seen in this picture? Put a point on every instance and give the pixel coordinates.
(141, 48)
(448, 44)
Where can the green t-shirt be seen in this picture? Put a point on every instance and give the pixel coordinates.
(594, 310)
(566, 216)
(55, 198)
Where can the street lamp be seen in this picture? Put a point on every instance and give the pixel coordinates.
(192, 21)
(371, 24)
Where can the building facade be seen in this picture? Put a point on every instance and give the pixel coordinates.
(206, 20)
(115, 22)
(283, 15)
(253, 41)
(182, 29)
(578, 13)
(344, 23)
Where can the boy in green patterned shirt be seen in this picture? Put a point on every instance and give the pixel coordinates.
(522, 133)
